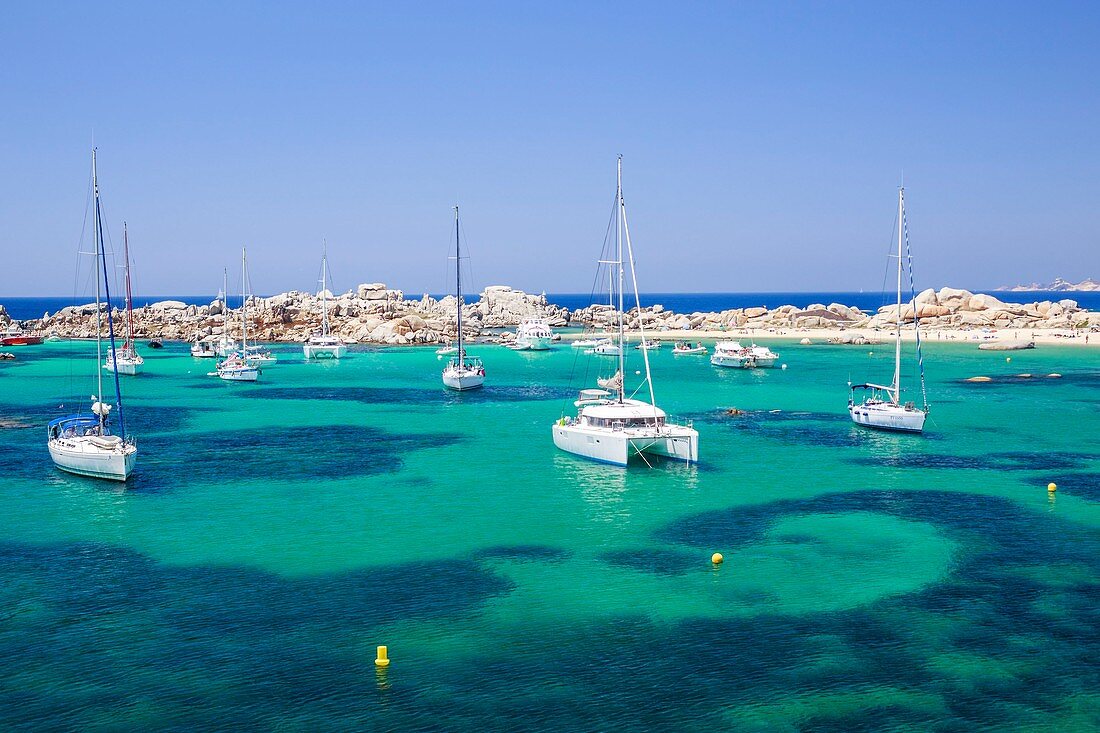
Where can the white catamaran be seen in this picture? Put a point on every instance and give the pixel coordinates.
(609, 426)
(324, 345)
(882, 407)
(85, 444)
(126, 360)
(462, 372)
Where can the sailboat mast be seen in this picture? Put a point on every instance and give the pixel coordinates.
(897, 346)
(324, 286)
(619, 259)
(244, 302)
(458, 290)
(129, 294)
(101, 251)
(98, 310)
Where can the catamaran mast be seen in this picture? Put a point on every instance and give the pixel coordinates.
(637, 297)
(458, 291)
(324, 292)
(619, 260)
(897, 346)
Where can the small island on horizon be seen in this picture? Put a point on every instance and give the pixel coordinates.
(1058, 284)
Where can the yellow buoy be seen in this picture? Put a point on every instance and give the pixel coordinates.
(1052, 486)
(716, 558)
(383, 659)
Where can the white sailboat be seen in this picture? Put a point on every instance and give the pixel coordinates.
(462, 372)
(236, 367)
(84, 443)
(126, 360)
(533, 334)
(610, 426)
(226, 345)
(324, 345)
(882, 407)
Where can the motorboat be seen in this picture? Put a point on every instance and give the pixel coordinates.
(733, 354)
(684, 348)
(13, 335)
(533, 334)
(205, 348)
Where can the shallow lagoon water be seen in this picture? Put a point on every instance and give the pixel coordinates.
(275, 533)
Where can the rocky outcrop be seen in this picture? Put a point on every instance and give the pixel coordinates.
(1059, 284)
(370, 313)
(373, 313)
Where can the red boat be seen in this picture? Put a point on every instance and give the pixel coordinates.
(15, 336)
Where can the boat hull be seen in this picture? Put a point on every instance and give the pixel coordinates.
(324, 352)
(84, 459)
(203, 353)
(20, 341)
(617, 447)
(533, 343)
(239, 375)
(888, 417)
(127, 368)
(463, 382)
(731, 360)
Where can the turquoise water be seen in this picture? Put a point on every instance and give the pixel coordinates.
(275, 533)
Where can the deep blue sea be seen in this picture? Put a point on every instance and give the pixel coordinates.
(25, 308)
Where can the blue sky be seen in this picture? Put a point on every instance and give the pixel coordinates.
(762, 142)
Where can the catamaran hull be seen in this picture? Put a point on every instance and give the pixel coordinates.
(324, 352)
(462, 382)
(114, 465)
(893, 418)
(202, 354)
(619, 446)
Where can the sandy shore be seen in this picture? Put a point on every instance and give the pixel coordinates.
(1052, 336)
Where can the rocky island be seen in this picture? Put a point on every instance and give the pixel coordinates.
(375, 314)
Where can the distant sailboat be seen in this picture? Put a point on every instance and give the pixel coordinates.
(462, 372)
(236, 368)
(226, 344)
(324, 345)
(882, 408)
(611, 427)
(85, 444)
(127, 360)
